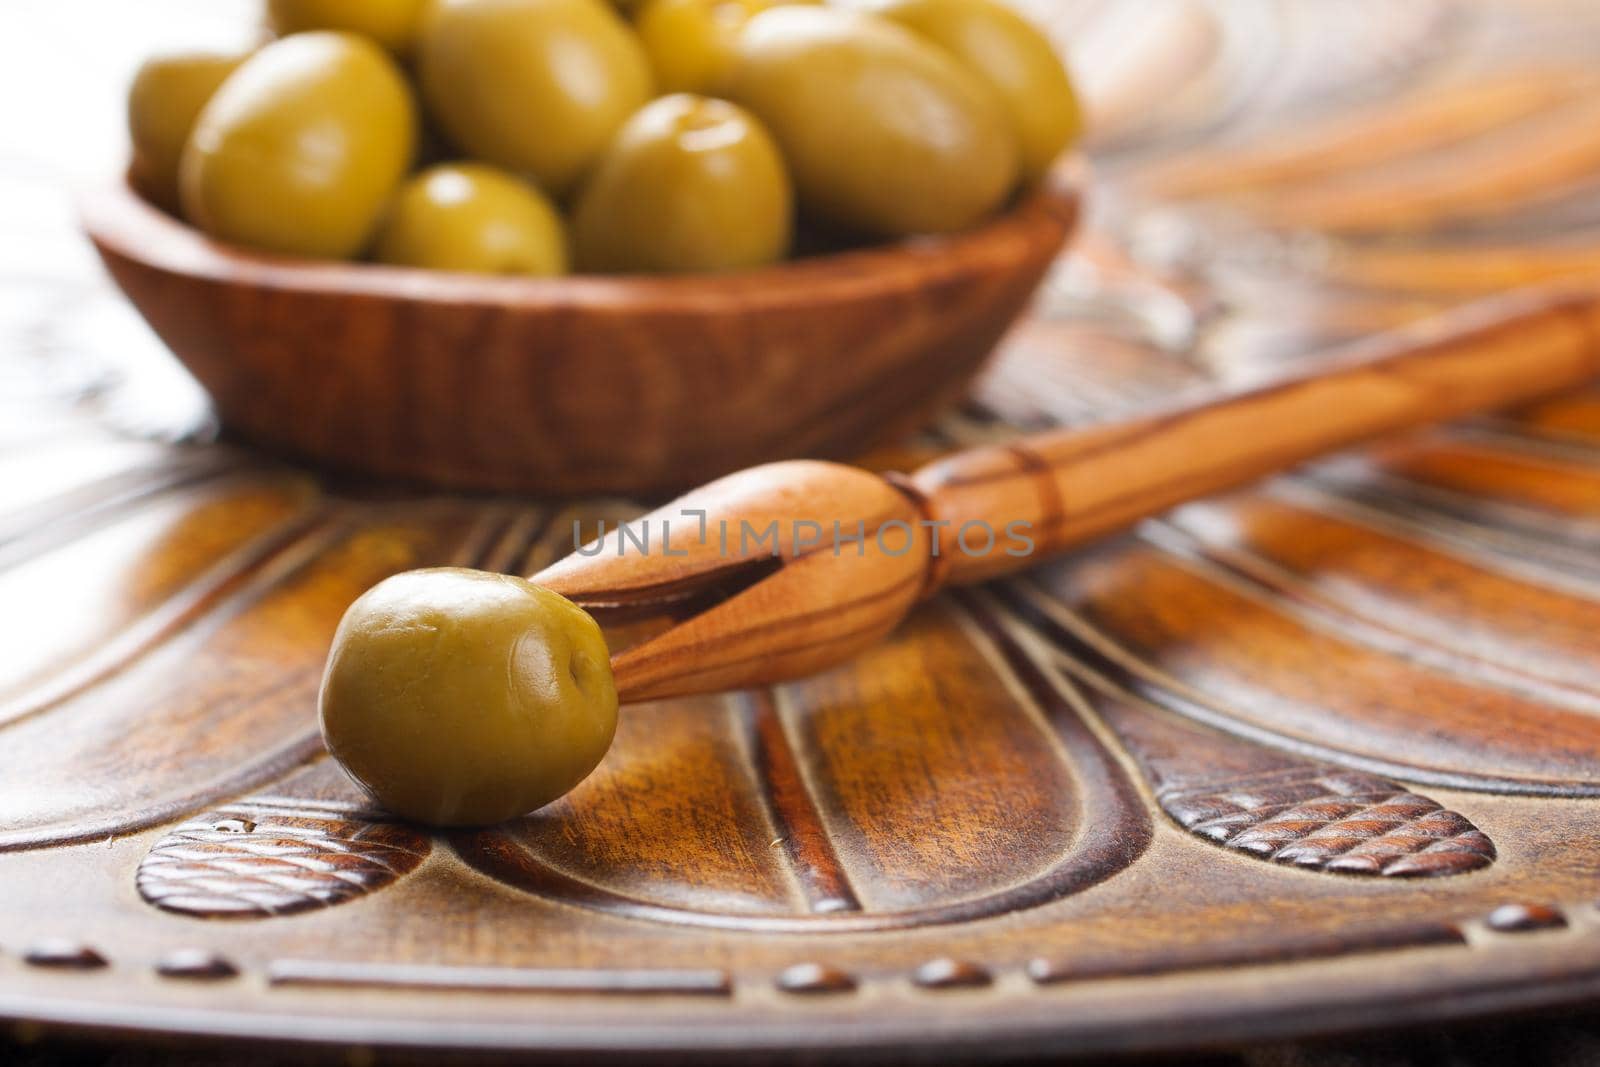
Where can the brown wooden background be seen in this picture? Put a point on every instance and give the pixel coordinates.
(1316, 756)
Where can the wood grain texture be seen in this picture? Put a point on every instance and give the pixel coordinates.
(1424, 595)
(1112, 805)
(210, 708)
(904, 823)
(787, 568)
(1075, 485)
(579, 385)
(1189, 641)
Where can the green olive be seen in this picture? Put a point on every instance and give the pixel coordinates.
(164, 101)
(460, 698)
(883, 131)
(690, 184)
(473, 217)
(535, 86)
(392, 23)
(691, 43)
(302, 147)
(1008, 52)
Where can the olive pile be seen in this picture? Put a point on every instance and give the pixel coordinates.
(867, 118)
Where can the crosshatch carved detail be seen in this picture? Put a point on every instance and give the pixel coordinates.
(1267, 803)
(251, 861)
(1332, 820)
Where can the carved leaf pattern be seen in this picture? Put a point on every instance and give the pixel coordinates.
(1333, 820)
(253, 860)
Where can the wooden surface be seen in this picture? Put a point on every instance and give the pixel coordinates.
(584, 384)
(783, 570)
(1315, 755)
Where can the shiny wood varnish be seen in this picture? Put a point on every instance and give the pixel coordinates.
(1317, 753)
(587, 384)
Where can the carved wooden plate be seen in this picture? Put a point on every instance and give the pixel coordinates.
(1318, 755)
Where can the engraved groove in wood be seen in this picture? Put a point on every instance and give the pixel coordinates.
(804, 839)
(1112, 475)
(1284, 809)
(74, 513)
(1536, 497)
(1241, 574)
(1256, 950)
(899, 752)
(308, 531)
(1108, 804)
(228, 703)
(128, 571)
(1522, 556)
(1425, 592)
(1558, 485)
(1517, 536)
(596, 980)
(252, 861)
(707, 843)
(1210, 654)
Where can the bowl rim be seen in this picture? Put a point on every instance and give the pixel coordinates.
(118, 219)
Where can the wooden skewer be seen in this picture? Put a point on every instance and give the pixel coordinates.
(785, 569)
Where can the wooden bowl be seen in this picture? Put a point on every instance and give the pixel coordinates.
(583, 384)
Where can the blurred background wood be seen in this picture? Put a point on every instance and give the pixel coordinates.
(1267, 767)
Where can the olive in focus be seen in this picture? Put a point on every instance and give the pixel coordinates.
(535, 86)
(690, 184)
(1011, 54)
(461, 698)
(392, 23)
(476, 218)
(883, 131)
(167, 96)
(301, 148)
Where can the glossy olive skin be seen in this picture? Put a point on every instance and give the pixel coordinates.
(461, 698)
(690, 184)
(392, 23)
(883, 131)
(1009, 53)
(691, 43)
(167, 96)
(301, 148)
(476, 218)
(538, 87)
